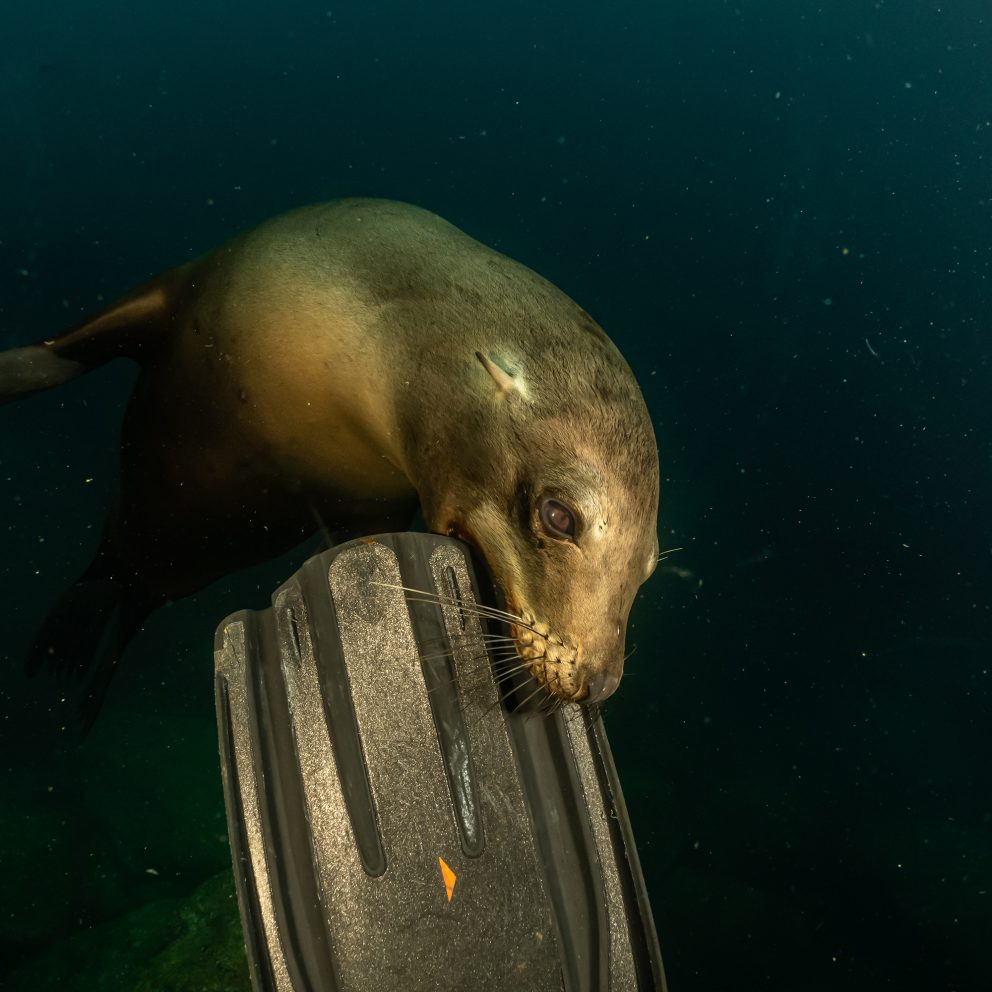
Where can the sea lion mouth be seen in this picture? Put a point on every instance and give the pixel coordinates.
(530, 647)
(550, 659)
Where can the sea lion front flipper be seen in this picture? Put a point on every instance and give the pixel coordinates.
(71, 634)
(84, 636)
(127, 327)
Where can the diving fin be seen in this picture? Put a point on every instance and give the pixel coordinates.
(394, 823)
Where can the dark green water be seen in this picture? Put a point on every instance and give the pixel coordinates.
(780, 211)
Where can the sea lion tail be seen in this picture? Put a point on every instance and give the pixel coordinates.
(83, 638)
(124, 329)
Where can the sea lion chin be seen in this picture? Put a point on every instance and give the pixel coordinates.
(340, 363)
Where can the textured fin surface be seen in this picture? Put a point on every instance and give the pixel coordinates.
(28, 370)
(377, 781)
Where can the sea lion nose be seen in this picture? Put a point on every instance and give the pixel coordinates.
(601, 686)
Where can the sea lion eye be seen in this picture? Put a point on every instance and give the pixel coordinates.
(557, 518)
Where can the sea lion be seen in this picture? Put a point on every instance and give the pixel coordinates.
(338, 363)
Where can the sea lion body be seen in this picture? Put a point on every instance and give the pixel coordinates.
(338, 364)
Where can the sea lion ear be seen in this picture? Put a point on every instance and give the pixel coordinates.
(507, 384)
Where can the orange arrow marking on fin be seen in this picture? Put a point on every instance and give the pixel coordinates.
(449, 878)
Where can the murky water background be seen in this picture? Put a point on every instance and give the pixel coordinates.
(780, 212)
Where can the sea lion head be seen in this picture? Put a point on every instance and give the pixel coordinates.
(553, 476)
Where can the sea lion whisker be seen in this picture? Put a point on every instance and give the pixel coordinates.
(429, 595)
(506, 649)
(477, 609)
(670, 551)
(505, 686)
(487, 711)
(440, 654)
(501, 677)
(501, 645)
(467, 684)
(503, 652)
(469, 610)
(547, 706)
(321, 526)
(500, 699)
(499, 652)
(469, 677)
(485, 638)
(502, 669)
(505, 673)
(559, 697)
(540, 686)
(471, 635)
(488, 612)
(481, 656)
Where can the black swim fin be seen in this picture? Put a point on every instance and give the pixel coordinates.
(394, 824)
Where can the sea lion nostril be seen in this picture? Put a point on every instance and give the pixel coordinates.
(601, 686)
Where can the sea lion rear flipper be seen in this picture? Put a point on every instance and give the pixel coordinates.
(124, 329)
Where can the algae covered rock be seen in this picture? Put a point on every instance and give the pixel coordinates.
(37, 838)
(191, 944)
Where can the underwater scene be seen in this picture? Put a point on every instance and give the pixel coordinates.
(780, 214)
